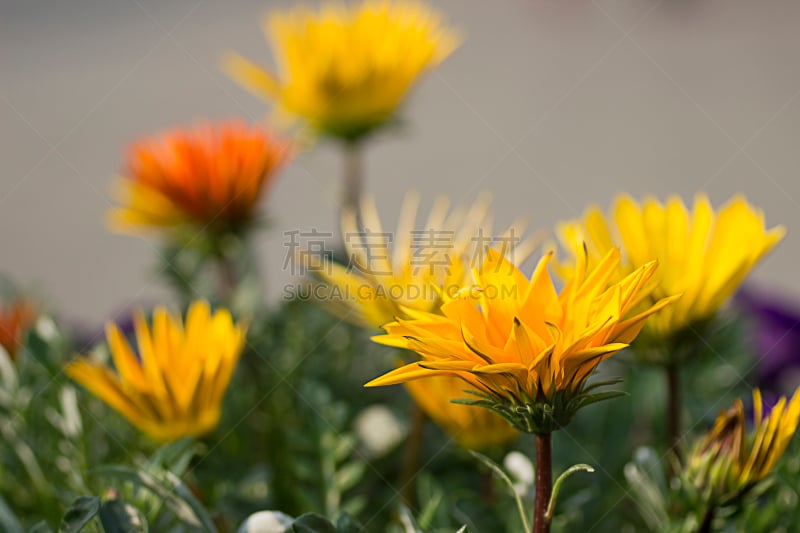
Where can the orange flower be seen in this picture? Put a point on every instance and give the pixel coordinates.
(15, 319)
(209, 176)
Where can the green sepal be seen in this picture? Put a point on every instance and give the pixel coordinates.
(588, 399)
(543, 415)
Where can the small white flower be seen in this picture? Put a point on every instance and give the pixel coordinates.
(378, 430)
(266, 522)
(520, 469)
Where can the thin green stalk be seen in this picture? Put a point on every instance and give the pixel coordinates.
(412, 455)
(353, 183)
(228, 279)
(673, 409)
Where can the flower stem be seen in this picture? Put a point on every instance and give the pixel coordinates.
(544, 482)
(353, 179)
(487, 487)
(673, 408)
(228, 279)
(708, 519)
(411, 455)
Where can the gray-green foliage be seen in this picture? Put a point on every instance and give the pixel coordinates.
(288, 441)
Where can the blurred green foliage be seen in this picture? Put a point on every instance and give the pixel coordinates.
(292, 439)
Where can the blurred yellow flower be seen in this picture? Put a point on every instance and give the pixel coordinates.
(347, 68)
(209, 177)
(173, 386)
(412, 267)
(15, 319)
(703, 255)
(727, 462)
(474, 429)
(527, 349)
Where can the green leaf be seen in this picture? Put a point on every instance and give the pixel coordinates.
(38, 347)
(649, 463)
(46, 344)
(551, 506)
(429, 508)
(348, 475)
(649, 498)
(408, 522)
(175, 456)
(41, 527)
(8, 372)
(27, 457)
(121, 517)
(171, 490)
(79, 514)
(72, 424)
(312, 523)
(344, 447)
(346, 524)
(355, 505)
(8, 521)
(523, 514)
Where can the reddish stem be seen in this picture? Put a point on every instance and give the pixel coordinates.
(544, 483)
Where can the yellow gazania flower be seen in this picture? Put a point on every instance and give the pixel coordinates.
(474, 429)
(210, 176)
(409, 270)
(15, 319)
(703, 255)
(528, 349)
(173, 386)
(727, 462)
(412, 267)
(346, 69)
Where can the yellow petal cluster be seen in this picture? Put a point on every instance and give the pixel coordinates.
(345, 69)
(520, 341)
(703, 255)
(173, 385)
(410, 269)
(728, 461)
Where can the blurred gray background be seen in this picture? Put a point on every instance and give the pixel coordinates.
(549, 105)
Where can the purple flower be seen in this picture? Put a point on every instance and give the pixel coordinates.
(775, 338)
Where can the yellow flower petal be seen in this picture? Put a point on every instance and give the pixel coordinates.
(530, 343)
(345, 70)
(174, 387)
(702, 255)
